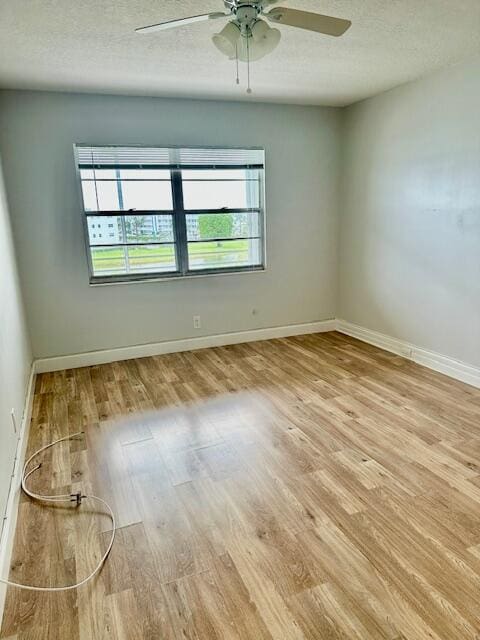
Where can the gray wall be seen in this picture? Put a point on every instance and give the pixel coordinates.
(15, 356)
(66, 315)
(409, 260)
(410, 227)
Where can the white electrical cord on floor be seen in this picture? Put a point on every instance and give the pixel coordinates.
(74, 497)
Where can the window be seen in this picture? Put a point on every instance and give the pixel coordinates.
(173, 212)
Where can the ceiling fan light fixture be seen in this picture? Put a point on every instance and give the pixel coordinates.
(227, 40)
(262, 40)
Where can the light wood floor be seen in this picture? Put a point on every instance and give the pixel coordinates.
(305, 488)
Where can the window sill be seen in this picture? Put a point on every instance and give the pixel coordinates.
(118, 280)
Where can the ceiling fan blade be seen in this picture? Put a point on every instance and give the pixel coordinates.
(172, 24)
(310, 21)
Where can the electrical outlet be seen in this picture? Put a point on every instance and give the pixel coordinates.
(14, 422)
(197, 322)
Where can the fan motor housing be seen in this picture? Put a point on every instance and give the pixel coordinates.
(235, 4)
(247, 10)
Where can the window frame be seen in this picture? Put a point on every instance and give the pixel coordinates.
(178, 214)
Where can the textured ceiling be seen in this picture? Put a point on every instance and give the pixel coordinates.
(90, 45)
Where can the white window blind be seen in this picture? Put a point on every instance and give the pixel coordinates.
(107, 157)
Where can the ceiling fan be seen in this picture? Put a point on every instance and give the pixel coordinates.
(248, 37)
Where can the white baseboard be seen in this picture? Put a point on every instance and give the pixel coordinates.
(444, 364)
(10, 522)
(436, 361)
(172, 346)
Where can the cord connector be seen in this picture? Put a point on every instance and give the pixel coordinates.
(77, 497)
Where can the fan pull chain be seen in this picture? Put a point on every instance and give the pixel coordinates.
(236, 62)
(249, 89)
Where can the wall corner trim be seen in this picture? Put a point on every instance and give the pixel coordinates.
(10, 521)
(173, 346)
(443, 364)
